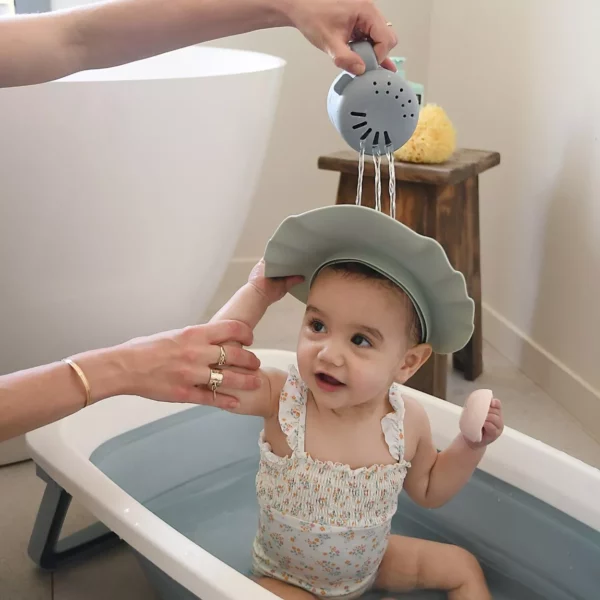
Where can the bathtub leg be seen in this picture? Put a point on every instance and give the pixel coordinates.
(45, 548)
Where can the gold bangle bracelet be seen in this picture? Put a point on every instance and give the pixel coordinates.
(83, 378)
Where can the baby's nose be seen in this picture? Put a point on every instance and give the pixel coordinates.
(332, 352)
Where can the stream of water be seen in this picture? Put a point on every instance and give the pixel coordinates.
(377, 166)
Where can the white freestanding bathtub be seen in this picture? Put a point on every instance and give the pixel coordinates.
(176, 483)
(123, 193)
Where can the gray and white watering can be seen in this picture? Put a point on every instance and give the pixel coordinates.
(377, 110)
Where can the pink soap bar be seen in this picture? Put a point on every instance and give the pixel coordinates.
(474, 414)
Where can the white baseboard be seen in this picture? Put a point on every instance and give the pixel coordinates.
(563, 385)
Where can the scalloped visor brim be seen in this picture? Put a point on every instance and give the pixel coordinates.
(304, 244)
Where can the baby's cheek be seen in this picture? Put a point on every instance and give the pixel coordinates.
(372, 379)
(304, 354)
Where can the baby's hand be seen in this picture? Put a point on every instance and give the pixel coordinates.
(493, 426)
(272, 288)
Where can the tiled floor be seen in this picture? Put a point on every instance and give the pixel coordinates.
(117, 576)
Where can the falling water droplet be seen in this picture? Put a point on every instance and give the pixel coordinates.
(377, 164)
(390, 156)
(361, 170)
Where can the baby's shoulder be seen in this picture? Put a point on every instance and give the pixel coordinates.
(285, 385)
(411, 405)
(416, 425)
(416, 421)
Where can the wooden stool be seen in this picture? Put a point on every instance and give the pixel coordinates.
(442, 202)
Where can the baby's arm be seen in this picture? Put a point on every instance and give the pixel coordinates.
(249, 305)
(436, 477)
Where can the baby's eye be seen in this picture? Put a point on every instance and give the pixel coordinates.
(317, 326)
(360, 340)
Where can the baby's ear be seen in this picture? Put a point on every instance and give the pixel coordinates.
(414, 359)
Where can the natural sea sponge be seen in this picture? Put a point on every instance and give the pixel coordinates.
(434, 139)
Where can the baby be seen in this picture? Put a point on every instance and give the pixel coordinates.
(340, 442)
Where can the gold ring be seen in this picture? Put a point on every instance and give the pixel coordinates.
(216, 379)
(222, 357)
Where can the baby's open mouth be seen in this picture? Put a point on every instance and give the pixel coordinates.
(328, 379)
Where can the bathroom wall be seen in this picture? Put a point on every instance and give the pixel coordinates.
(291, 181)
(522, 78)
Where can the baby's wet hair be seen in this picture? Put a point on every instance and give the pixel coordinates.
(356, 269)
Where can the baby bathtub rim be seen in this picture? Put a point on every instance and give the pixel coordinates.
(63, 449)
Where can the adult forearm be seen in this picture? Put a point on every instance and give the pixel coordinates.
(127, 30)
(39, 48)
(451, 472)
(34, 397)
(248, 305)
(36, 48)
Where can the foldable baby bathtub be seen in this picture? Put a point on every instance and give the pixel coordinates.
(176, 483)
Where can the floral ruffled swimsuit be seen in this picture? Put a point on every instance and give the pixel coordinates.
(324, 526)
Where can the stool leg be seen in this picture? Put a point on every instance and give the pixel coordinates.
(457, 229)
(469, 360)
(346, 193)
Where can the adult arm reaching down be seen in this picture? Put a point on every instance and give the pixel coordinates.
(173, 366)
(42, 47)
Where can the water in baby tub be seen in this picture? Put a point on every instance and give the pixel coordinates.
(204, 488)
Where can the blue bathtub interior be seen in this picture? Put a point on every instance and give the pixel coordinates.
(196, 469)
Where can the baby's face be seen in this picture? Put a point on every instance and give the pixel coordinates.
(354, 340)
